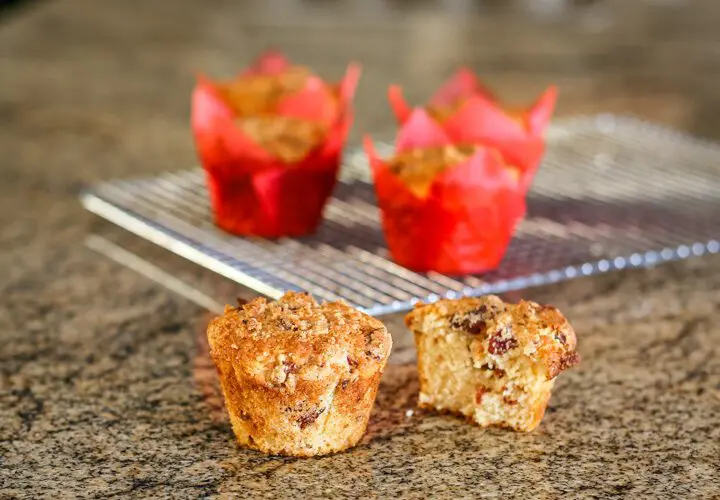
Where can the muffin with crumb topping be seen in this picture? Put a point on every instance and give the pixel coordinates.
(469, 113)
(446, 207)
(299, 378)
(418, 168)
(270, 142)
(492, 362)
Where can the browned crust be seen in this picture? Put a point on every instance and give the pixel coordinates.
(260, 93)
(538, 329)
(310, 335)
(299, 378)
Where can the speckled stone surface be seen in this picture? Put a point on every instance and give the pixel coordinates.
(105, 384)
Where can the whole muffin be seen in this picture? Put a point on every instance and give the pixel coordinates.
(445, 207)
(299, 378)
(492, 362)
(270, 142)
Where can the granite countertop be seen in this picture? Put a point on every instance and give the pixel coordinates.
(105, 384)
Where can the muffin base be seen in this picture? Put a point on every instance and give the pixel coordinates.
(317, 418)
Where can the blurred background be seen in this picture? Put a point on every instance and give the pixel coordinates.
(652, 57)
(96, 90)
(111, 80)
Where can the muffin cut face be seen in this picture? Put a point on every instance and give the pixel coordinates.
(492, 362)
(299, 378)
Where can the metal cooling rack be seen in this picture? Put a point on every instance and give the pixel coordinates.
(612, 193)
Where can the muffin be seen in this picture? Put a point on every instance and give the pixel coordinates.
(259, 91)
(418, 168)
(491, 362)
(449, 208)
(270, 142)
(470, 114)
(299, 378)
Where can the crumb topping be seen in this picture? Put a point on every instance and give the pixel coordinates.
(288, 139)
(537, 331)
(294, 338)
(259, 94)
(417, 168)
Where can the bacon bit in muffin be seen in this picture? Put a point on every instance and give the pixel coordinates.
(309, 418)
(500, 343)
(475, 320)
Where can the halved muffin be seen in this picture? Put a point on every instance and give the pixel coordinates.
(492, 362)
(299, 378)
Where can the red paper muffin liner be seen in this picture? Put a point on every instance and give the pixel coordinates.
(479, 119)
(252, 192)
(466, 221)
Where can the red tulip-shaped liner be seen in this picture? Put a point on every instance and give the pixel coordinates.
(464, 223)
(470, 114)
(254, 192)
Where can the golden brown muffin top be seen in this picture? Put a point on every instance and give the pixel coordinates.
(288, 139)
(541, 332)
(295, 338)
(259, 94)
(417, 168)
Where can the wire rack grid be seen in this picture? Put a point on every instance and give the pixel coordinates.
(612, 193)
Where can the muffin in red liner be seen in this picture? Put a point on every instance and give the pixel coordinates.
(446, 208)
(270, 142)
(470, 114)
